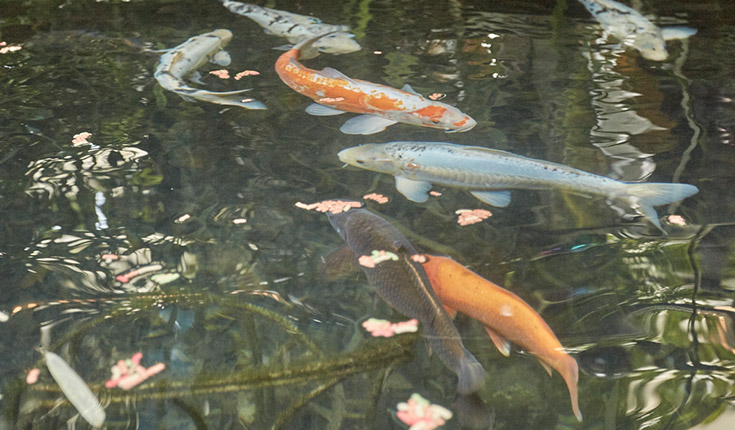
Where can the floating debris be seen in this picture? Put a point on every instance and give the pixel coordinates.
(246, 73)
(376, 257)
(418, 258)
(385, 328)
(32, 376)
(75, 389)
(677, 220)
(437, 96)
(472, 216)
(222, 73)
(420, 414)
(5, 48)
(81, 138)
(331, 206)
(126, 374)
(376, 197)
(239, 221)
(435, 193)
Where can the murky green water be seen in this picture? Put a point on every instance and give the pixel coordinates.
(229, 292)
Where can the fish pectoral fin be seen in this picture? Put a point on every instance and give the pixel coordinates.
(500, 342)
(195, 77)
(320, 110)
(673, 33)
(334, 74)
(407, 88)
(452, 312)
(366, 124)
(339, 263)
(416, 191)
(499, 199)
(222, 58)
(546, 366)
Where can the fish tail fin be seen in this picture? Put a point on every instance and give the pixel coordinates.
(570, 372)
(470, 373)
(646, 196)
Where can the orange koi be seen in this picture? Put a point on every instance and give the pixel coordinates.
(507, 318)
(380, 105)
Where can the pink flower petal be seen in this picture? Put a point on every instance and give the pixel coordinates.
(246, 73)
(222, 73)
(32, 376)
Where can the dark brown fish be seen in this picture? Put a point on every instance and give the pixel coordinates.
(403, 283)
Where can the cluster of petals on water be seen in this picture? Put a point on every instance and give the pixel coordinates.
(376, 257)
(5, 48)
(81, 138)
(385, 328)
(126, 374)
(420, 414)
(472, 216)
(225, 74)
(376, 197)
(331, 206)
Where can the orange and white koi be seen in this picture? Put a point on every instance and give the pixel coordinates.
(507, 318)
(380, 105)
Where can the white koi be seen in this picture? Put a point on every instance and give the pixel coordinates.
(295, 27)
(489, 174)
(635, 30)
(183, 60)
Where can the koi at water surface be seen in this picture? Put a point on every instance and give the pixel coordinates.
(507, 318)
(295, 27)
(634, 29)
(403, 284)
(489, 174)
(183, 60)
(380, 105)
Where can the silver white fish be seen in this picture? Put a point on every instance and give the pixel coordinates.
(183, 60)
(489, 174)
(76, 390)
(635, 30)
(295, 27)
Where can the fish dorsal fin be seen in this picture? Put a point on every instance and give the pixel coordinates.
(500, 342)
(334, 73)
(339, 263)
(320, 110)
(499, 199)
(673, 33)
(365, 124)
(407, 88)
(416, 191)
(545, 366)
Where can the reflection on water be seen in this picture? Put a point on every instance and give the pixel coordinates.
(173, 230)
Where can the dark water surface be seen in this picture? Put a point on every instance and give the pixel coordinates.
(251, 332)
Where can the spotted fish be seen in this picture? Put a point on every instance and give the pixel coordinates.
(294, 27)
(380, 105)
(635, 30)
(183, 60)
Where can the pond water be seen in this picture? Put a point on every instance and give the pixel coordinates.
(174, 232)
